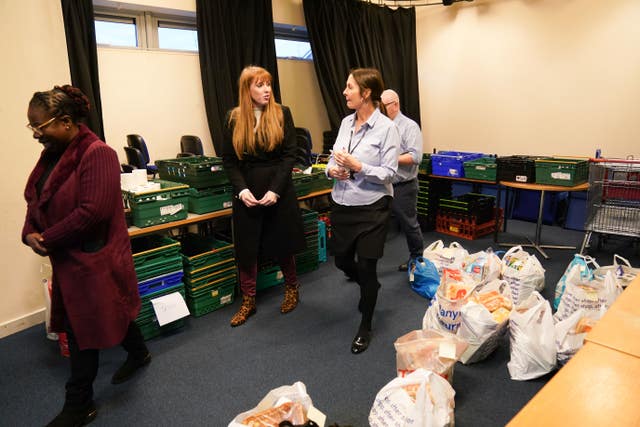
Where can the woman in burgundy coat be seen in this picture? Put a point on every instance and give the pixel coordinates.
(75, 217)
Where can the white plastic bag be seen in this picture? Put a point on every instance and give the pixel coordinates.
(452, 294)
(584, 264)
(483, 266)
(479, 326)
(445, 257)
(570, 335)
(523, 272)
(297, 392)
(594, 296)
(421, 399)
(532, 338)
(623, 272)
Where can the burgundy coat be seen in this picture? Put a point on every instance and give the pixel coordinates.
(81, 218)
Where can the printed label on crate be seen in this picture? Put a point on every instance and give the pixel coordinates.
(226, 299)
(169, 308)
(216, 168)
(561, 175)
(215, 293)
(521, 178)
(171, 209)
(453, 172)
(227, 204)
(481, 168)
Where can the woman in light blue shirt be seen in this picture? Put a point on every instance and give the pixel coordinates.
(364, 161)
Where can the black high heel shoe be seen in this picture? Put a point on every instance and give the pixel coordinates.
(361, 342)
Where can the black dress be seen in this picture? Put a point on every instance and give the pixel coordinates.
(272, 231)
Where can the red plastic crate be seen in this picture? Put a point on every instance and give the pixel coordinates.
(465, 226)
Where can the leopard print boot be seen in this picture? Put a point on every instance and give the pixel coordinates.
(247, 309)
(290, 298)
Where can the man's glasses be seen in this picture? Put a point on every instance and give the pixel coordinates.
(390, 103)
(38, 129)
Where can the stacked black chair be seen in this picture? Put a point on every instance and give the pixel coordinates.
(303, 155)
(190, 145)
(135, 159)
(136, 141)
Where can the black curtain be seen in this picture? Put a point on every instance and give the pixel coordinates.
(346, 34)
(80, 32)
(232, 35)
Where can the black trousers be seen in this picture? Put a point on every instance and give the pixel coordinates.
(364, 272)
(84, 365)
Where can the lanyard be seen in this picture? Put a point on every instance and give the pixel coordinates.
(349, 149)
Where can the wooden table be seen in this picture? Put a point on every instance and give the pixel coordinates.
(598, 387)
(535, 243)
(619, 328)
(196, 218)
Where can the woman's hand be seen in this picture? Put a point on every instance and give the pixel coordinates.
(246, 196)
(34, 240)
(338, 172)
(346, 160)
(270, 198)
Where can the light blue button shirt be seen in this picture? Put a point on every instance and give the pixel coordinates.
(410, 143)
(376, 146)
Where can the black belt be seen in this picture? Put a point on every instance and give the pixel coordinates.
(398, 184)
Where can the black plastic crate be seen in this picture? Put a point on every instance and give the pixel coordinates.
(478, 206)
(517, 168)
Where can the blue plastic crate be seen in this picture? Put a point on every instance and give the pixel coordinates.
(159, 283)
(576, 211)
(451, 163)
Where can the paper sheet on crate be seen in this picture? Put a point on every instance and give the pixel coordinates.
(169, 308)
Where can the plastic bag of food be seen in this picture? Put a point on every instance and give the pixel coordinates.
(532, 338)
(594, 295)
(570, 334)
(585, 266)
(421, 399)
(445, 257)
(524, 273)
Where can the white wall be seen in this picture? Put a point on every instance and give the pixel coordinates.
(531, 77)
(34, 57)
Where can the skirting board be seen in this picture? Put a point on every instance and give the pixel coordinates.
(21, 323)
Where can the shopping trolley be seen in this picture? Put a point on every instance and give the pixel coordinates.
(613, 199)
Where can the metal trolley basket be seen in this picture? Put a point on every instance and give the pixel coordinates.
(613, 204)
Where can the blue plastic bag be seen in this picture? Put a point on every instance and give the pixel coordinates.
(423, 277)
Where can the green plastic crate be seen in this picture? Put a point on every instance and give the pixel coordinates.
(269, 276)
(146, 308)
(424, 167)
(484, 168)
(210, 199)
(155, 255)
(563, 172)
(198, 171)
(203, 251)
(150, 328)
(169, 203)
(211, 298)
(200, 277)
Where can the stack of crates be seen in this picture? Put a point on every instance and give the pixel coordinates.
(209, 186)
(159, 272)
(306, 183)
(429, 193)
(424, 168)
(209, 273)
(468, 216)
(165, 204)
(307, 260)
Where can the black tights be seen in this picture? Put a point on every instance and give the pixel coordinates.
(363, 271)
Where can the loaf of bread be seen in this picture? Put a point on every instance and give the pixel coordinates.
(289, 411)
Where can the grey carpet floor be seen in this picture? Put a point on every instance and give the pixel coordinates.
(207, 372)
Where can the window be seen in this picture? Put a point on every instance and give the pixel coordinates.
(292, 42)
(177, 36)
(116, 31)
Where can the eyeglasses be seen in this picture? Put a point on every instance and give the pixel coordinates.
(390, 103)
(38, 129)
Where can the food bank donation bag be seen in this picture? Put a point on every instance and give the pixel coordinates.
(532, 338)
(423, 277)
(594, 296)
(584, 264)
(483, 266)
(623, 272)
(445, 257)
(484, 320)
(570, 334)
(421, 399)
(436, 351)
(286, 403)
(524, 273)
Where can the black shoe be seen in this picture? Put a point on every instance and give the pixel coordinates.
(360, 342)
(73, 417)
(403, 267)
(129, 368)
